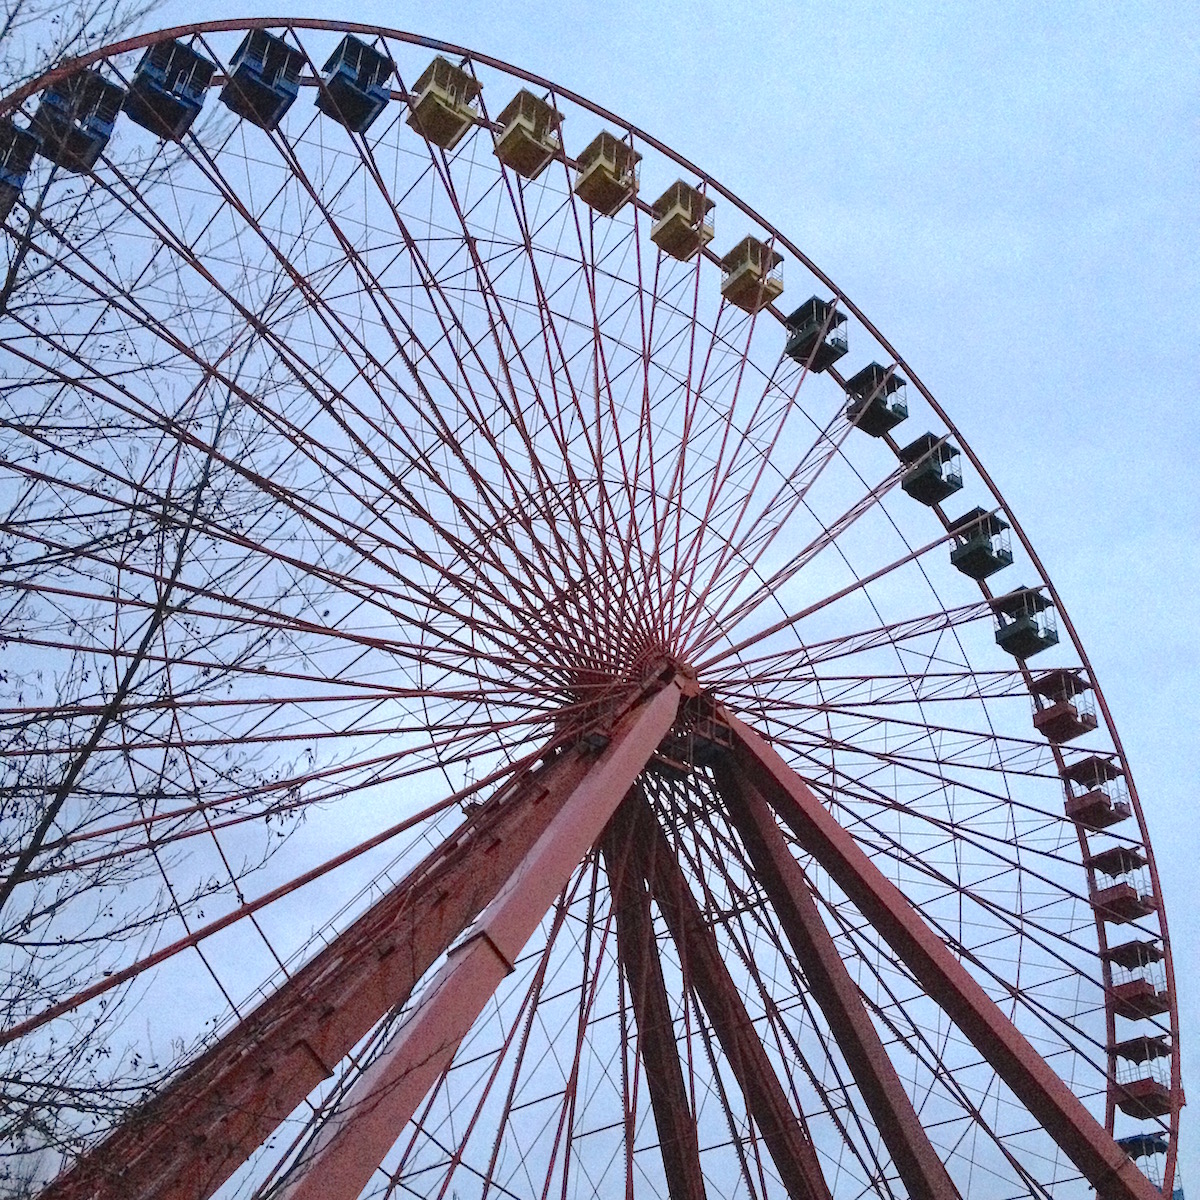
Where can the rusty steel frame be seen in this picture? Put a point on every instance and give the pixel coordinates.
(781, 877)
(787, 1140)
(370, 1116)
(945, 980)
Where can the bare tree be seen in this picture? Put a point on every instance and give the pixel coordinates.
(107, 838)
(37, 34)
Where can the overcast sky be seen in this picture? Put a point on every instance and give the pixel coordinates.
(1009, 191)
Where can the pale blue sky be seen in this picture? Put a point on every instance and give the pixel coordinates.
(1009, 191)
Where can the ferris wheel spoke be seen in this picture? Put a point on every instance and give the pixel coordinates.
(675, 498)
(491, 296)
(430, 280)
(908, 740)
(792, 493)
(984, 802)
(603, 387)
(780, 662)
(240, 539)
(726, 622)
(339, 327)
(311, 510)
(734, 543)
(770, 666)
(882, 690)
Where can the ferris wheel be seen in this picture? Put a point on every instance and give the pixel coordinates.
(512, 686)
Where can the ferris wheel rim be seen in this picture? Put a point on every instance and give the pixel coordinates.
(14, 99)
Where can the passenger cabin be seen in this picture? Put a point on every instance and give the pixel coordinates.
(75, 119)
(17, 148)
(1134, 955)
(530, 134)
(1138, 988)
(816, 334)
(1024, 622)
(264, 79)
(1069, 712)
(981, 545)
(751, 278)
(607, 175)
(354, 84)
(1144, 1048)
(876, 400)
(168, 89)
(1143, 1145)
(1138, 998)
(1122, 902)
(1095, 792)
(934, 469)
(1145, 1097)
(681, 226)
(442, 106)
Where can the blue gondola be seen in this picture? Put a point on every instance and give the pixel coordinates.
(75, 119)
(168, 89)
(354, 84)
(17, 148)
(264, 79)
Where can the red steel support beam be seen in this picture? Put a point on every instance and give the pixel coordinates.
(766, 1101)
(638, 952)
(829, 982)
(370, 1117)
(1031, 1079)
(195, 1133)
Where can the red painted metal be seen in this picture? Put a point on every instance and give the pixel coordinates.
(186, 1141)
(1077, 1133)
(918, 1164)
(1169, 994)
(638, 953)
(354, 1140)
(787, 1141)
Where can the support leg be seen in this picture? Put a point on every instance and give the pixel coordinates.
(791, 1151)
(355, 1139)
(638, 952)
(1034, 1082)
(916, 1161)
